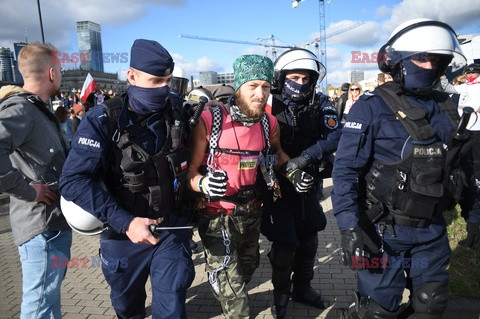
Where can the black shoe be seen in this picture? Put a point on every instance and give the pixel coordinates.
(311, 298)
(280, 302)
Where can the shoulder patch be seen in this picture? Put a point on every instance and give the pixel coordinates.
(368, 95)
(354, 127)
(330, 121)
(329, 108)
(90, 143)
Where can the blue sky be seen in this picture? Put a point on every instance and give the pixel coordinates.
(123, 21)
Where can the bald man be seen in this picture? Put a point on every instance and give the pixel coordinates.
(32, 152)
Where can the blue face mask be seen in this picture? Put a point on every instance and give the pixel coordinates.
(293, 89)
(148, 100)
(415, 77)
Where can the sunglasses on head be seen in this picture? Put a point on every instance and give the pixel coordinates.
(354, 89)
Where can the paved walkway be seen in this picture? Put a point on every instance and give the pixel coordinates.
(85, 294)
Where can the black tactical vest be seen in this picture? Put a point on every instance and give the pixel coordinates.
(146, 185)
(299, 133)
(305, 129)
(425, 183)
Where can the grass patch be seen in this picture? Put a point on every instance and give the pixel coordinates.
(464, 267)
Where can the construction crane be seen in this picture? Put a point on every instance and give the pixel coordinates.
(266, 45)
(331, 34)
(319, 43)
(274, 50)
(323, 44)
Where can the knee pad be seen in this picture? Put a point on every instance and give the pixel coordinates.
(281, 257)
(431, 299)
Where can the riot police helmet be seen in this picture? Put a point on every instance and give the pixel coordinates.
(298, 59)
(195, 94)
(79, 219)
(179, 81)
(421, 38)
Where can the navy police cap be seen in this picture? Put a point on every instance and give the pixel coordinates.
(151, 57)
(472, 68)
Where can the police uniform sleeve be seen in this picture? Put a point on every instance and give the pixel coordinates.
(83, 170)
(331, 131)
(352, 157)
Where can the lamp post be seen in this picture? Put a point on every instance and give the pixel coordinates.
(41, 23)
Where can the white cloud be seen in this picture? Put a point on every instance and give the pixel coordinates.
(21, 16)
(458, 14)
(360, 35)
(368, 37)
(383, 11)
(349, 32)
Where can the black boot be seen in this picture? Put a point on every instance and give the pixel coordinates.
(280, 302)
(311, 298)
(305, 258)
(366, 308)
(473, 235)
(281, 259)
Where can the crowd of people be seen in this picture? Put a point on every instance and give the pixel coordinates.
(143, 167)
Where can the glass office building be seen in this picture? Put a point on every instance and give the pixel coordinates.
(90, 43)
(6, 65)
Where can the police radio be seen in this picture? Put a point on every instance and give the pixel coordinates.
(462, 134)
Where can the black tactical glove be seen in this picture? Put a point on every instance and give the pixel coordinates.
(214, 185)
(301, 180)
(299, 162)
(352, 245)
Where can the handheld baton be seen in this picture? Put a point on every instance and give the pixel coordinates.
(156, 230)
(460, 134)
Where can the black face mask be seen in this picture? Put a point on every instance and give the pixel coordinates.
(297, 92)
(148, 100)
(415, 77)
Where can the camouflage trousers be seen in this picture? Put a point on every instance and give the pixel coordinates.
(232, 255)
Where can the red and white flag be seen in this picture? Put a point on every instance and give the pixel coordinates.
(88, 87)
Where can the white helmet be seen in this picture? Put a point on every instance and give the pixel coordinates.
(421, 36)
(298, 59)
(79, 219)
(195, 94)
(179, 81)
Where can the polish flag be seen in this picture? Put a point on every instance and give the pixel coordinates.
(88, 87)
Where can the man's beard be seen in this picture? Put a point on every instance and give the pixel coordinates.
(247, 109)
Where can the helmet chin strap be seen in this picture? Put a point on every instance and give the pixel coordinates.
(313, 93)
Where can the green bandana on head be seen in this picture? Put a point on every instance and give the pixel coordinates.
(252, 67)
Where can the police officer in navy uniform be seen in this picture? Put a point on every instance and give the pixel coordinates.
(309, 134)
(396, 170)
(125, 169)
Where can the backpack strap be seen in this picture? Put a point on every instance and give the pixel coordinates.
(113, 108)
(412, 118)
(266, 131)
(216, 131)
(448, 106)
